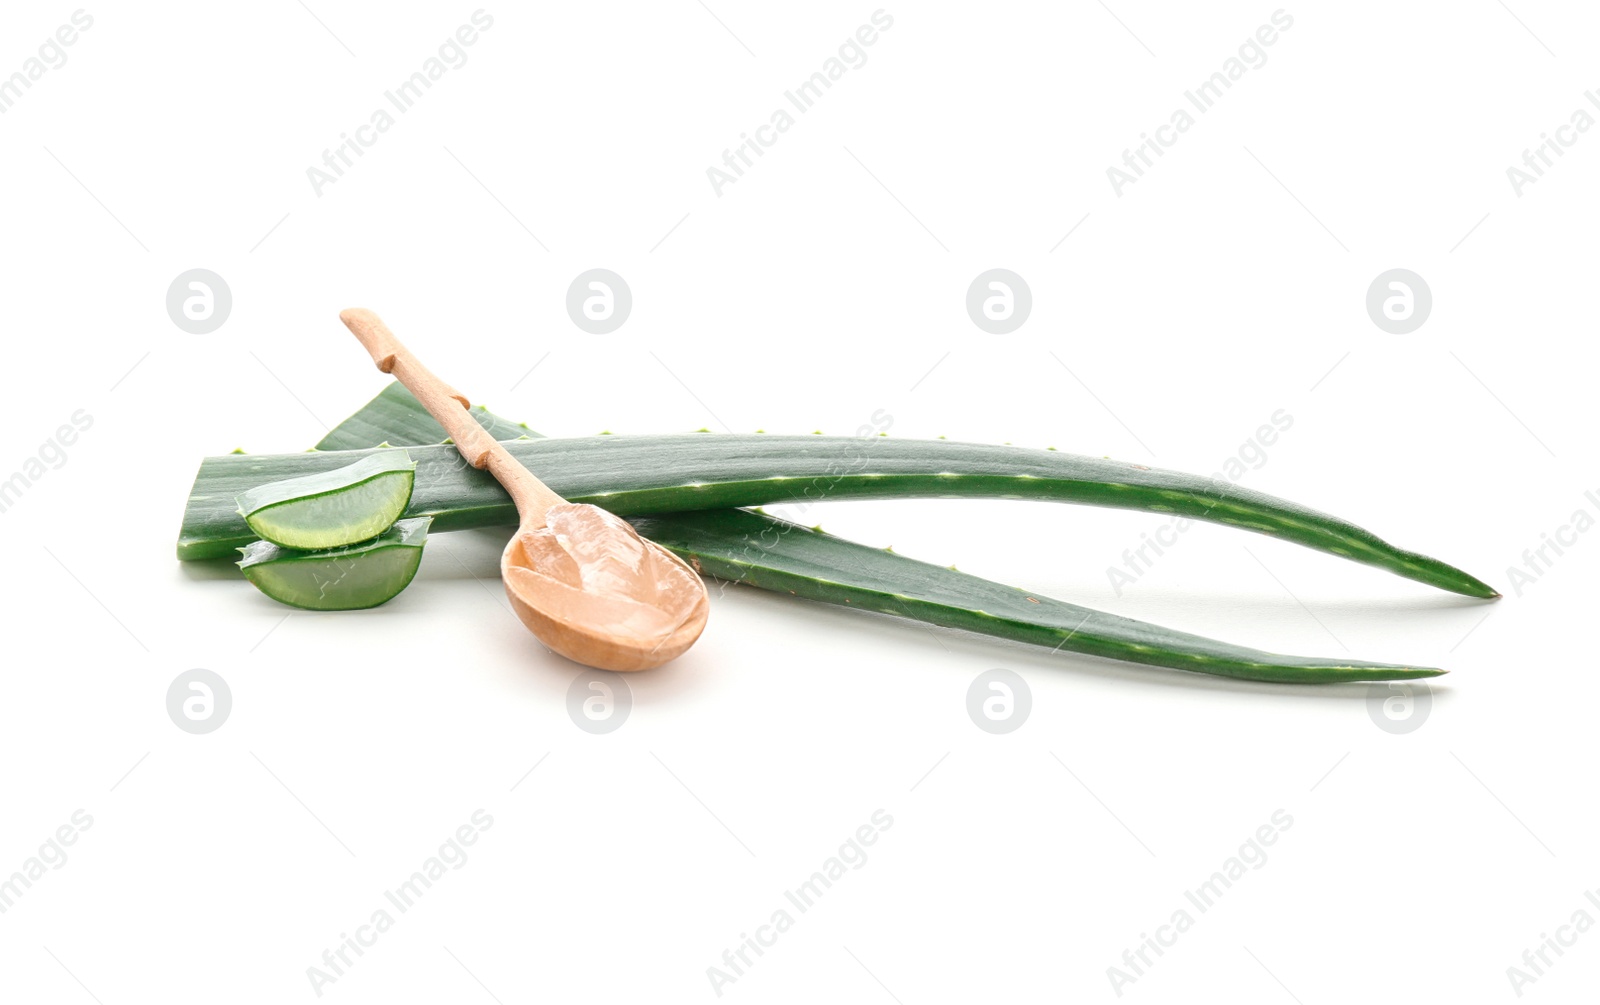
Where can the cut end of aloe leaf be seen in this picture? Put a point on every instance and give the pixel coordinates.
(341, 579)
(332, 509)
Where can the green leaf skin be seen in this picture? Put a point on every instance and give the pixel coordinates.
(332, 509)
(776, 555)
(339, 579)
(637, 475)
(397, 418)
(772, 554)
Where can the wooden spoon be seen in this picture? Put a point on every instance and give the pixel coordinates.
(581, 579)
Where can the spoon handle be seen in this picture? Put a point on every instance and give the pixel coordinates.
(449, 407)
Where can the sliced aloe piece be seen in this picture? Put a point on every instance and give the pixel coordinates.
(332, 509)
(340, 579)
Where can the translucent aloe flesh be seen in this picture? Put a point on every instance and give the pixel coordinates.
(768, 553)
(340, 579)
(638, 475)
(331, 509)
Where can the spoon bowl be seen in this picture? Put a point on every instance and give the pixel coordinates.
(639, 636)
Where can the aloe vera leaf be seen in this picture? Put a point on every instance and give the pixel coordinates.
(335, 508)
(776, 555)
(773, 554)
(339, 579)
(397, 418)
(637, 475)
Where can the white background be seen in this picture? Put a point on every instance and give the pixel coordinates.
(827, 283)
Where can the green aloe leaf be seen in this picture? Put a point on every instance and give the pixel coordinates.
(637, 475)
(773, 554)
(397, 418)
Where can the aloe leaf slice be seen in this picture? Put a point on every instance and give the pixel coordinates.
(339, 579)
(332, 509)
(772, 554)
(636, 475)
